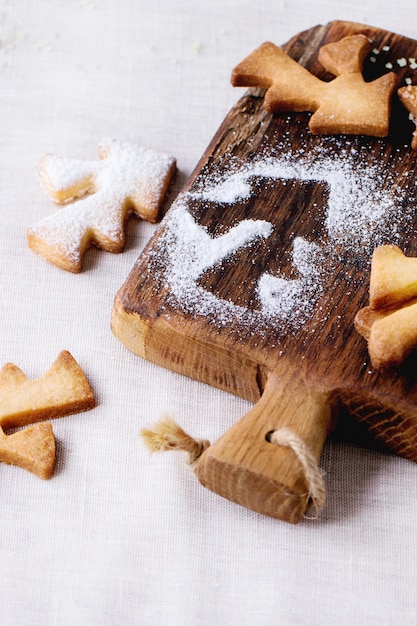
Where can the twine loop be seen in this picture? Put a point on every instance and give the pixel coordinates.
(313, 474)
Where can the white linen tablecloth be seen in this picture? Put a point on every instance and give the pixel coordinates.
(119, 537)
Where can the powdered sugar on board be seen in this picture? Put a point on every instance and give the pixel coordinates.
(365, 207)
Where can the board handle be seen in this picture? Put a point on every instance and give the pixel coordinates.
(268, 461)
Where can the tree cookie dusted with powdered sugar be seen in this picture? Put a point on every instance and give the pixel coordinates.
(127, 179)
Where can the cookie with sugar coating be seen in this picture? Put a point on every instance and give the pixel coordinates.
(127, 179)
(66, 179)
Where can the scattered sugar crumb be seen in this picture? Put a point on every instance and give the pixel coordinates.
(197, 47)
(83, 67)
(47, 44)
(86, 4)
(223, 33)
(10, 37)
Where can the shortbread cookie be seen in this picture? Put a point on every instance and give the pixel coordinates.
(32, 449)
(389, 323)
(365, 318)
(63, 389)
(347, 104)
(66, 179)
(393, 337)
(393, 278)
(408, 96)
(127, 179)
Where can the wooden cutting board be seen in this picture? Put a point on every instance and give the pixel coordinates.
(253, 279)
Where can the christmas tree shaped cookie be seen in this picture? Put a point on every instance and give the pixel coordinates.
(127, 179)
(62, 390)
(389, 323)
(348, 104)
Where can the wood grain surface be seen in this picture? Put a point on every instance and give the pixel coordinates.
(302, 370)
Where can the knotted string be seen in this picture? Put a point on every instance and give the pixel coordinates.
(167, 435)
(313, 474)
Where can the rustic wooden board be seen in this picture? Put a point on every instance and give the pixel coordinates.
(208, 321)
